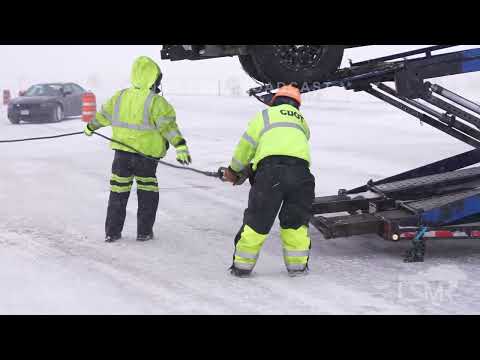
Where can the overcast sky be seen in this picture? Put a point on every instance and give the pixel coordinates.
(109, 66)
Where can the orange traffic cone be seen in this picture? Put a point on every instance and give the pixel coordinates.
(89, 107)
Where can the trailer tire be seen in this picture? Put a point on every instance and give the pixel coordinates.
(295, 63)
(249, 67)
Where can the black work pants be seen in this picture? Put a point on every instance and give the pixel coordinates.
(125, 168)
(282, 184)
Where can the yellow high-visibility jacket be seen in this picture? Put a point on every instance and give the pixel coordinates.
(279, 130)
(139, 117)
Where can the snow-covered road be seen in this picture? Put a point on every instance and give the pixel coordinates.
(53, 201)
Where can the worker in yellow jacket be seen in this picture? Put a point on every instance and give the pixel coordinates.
(144, 120)
(275, 148)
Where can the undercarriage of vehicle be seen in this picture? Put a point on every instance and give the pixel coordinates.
(269, 64)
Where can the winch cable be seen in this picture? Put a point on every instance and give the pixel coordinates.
(41, 138)
(216, 174)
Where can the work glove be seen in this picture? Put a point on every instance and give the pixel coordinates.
(183, 156)
(88, 131)
(231, 176)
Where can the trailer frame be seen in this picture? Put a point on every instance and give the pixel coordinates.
(434, 201)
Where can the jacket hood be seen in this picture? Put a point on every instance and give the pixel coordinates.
(144, 72)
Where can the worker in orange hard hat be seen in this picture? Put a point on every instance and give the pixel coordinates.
(275, 150)
(289, 91)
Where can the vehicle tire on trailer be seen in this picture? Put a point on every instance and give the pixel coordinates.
(249, 67)
(57, 113)
(295, 63)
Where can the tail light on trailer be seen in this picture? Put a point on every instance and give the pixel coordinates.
(442, 234)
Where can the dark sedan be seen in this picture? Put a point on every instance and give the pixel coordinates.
(47, 103)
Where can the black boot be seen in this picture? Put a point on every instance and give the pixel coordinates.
(298, 273)
(239, 272)
(145, 237)
(112, 238)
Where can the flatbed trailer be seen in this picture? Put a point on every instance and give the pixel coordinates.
(438, 200)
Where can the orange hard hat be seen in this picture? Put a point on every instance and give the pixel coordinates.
(289, 91)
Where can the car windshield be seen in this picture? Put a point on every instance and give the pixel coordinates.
(44, 90)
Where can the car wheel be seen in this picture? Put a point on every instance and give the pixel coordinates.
(57, 113)
(14, 120)
(296, 63)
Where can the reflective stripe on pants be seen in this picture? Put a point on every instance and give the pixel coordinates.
(296, 247)
(147, 183)
(247, 248)
(120, 184)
